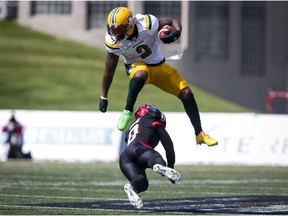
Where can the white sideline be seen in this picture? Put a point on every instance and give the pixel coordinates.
(54, 207)
(55, 197)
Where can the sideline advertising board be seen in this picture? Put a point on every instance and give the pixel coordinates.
(244, 138)
(68, 135)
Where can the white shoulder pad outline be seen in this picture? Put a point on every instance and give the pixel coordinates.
(110, 45)
(148, 21)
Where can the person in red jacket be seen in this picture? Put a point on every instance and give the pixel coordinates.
(14, 134)
(141, 138)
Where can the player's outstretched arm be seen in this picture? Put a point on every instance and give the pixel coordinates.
(110, 67)
(168, 145)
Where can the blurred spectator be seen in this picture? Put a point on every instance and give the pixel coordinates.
(14, 137)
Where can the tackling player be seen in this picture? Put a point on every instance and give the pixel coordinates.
(136, 39)
(142, 137)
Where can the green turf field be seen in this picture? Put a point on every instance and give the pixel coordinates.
(97, 188)
(41, 72)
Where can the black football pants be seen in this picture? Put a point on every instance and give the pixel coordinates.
(134, 160)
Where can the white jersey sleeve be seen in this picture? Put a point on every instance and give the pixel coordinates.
(111, 46)
(149, 22)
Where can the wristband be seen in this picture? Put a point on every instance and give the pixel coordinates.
(103, 98)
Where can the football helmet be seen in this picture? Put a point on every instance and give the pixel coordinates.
(120, 23)
(148, 109)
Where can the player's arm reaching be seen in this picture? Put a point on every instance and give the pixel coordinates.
(175, 33)
(167, 144)
(110, 67)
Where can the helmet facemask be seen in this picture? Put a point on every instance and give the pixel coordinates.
(120, 24)
(120, 32)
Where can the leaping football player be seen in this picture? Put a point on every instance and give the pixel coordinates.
(136, 39)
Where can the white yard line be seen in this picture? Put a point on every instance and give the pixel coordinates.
(57, 197)
(63, 183)
(68, 208)
(224, 181)
(62, 189)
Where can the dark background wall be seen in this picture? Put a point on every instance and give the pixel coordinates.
(226, 76)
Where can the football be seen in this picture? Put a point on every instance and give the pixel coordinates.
(164, 31)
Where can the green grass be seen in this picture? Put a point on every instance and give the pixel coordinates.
(24, 182)
(46, 73)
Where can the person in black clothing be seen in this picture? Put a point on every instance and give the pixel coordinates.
(14, 134)
(141, 138)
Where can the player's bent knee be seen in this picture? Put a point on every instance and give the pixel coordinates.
(140, 183)
(156, 158)
(185, 94)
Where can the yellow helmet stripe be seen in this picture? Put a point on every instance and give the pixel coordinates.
(114, 15)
